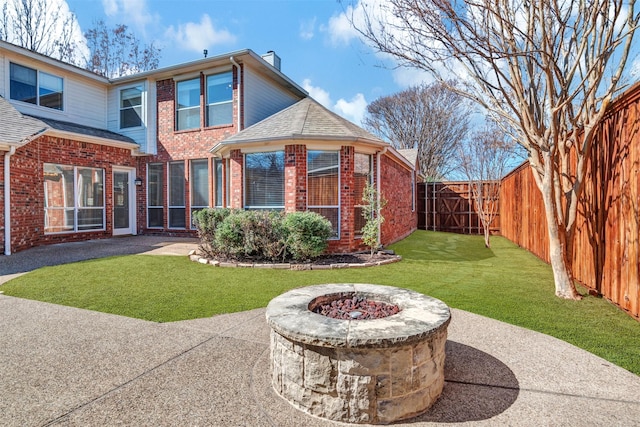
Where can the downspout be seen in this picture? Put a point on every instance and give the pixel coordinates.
(379, 188)
(233, 61)
(7, 200)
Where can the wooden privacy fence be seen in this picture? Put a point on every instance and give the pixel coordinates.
(606, 255)
(449, 206)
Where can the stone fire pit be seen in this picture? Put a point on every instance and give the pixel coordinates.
(358, 371)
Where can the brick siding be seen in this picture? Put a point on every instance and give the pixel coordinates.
(27, 187)
(399, 218)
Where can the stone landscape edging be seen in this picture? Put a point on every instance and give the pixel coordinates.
(193, 256)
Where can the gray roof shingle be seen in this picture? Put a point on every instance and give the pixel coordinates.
(306, 119)
(84, 130)
(15, 128)
(18, 129)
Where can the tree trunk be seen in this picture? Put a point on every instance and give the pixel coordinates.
(558, 248)
(487, 234)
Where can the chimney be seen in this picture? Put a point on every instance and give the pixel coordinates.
(272, 59)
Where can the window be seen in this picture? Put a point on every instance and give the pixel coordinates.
(220, 99)
(219, 182)
(131, 107)
(177, 209)
(199, 186)
(362, 176)
(188, 101)
(323, 186)
(264, 180)
(73, 198)
(38, 88)
(155, 198)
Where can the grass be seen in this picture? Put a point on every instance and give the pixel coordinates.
(505, 283)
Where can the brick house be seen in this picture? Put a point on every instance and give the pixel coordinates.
(87, 157)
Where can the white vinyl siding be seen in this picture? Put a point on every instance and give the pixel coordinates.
(84, 99)
(263, 98)
(140, 134)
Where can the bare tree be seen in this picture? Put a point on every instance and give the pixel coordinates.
(549, 69)
(116, 51)
(429, 118)
(43, 26)
(484, 159)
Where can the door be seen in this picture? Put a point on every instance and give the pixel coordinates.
(124, 220)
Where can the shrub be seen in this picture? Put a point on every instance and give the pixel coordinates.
(206, 222)
(307, 234)
(371, 211)
(268, 235)
(252, 234)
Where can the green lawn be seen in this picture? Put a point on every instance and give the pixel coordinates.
(505, 283)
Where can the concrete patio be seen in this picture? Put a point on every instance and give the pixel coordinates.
(68, 366)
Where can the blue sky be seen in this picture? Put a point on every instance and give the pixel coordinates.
(317, 47)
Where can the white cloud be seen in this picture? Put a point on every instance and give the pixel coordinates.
(110, 7)
(353, 110)
(317, 93)
(134, 13)
(406, 77)
(307, 29)
(198, 36)
(340, 30)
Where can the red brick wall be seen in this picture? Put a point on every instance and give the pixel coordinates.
(27, 186)
(295, 178)
(186, 145)
(399, 219)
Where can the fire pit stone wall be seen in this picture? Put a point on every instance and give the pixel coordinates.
(358, 371)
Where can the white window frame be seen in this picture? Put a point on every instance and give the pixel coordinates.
(244, 182)
(193, 206)
(75, 206)
(209, 104)
(169, 205)
(338, 206)
(38, 72)
(161, 183)
(199, 106)
(143, 109)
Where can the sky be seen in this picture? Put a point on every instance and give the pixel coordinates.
(318, 48)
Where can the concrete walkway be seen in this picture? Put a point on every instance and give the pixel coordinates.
(73, 367)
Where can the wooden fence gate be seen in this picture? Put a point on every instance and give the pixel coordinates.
(449, 206)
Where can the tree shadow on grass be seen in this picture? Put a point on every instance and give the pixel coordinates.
(477, 387)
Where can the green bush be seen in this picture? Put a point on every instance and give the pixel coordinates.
(206, 222)
(307, 234)
(252, 235)
(262, 235)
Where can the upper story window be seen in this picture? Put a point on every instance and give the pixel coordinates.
(36, 87)
(131, 107)
(220, 99)
(188, 101)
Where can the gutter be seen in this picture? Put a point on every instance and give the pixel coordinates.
(7, 199)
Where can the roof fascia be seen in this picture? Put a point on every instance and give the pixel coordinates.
(52, 62)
